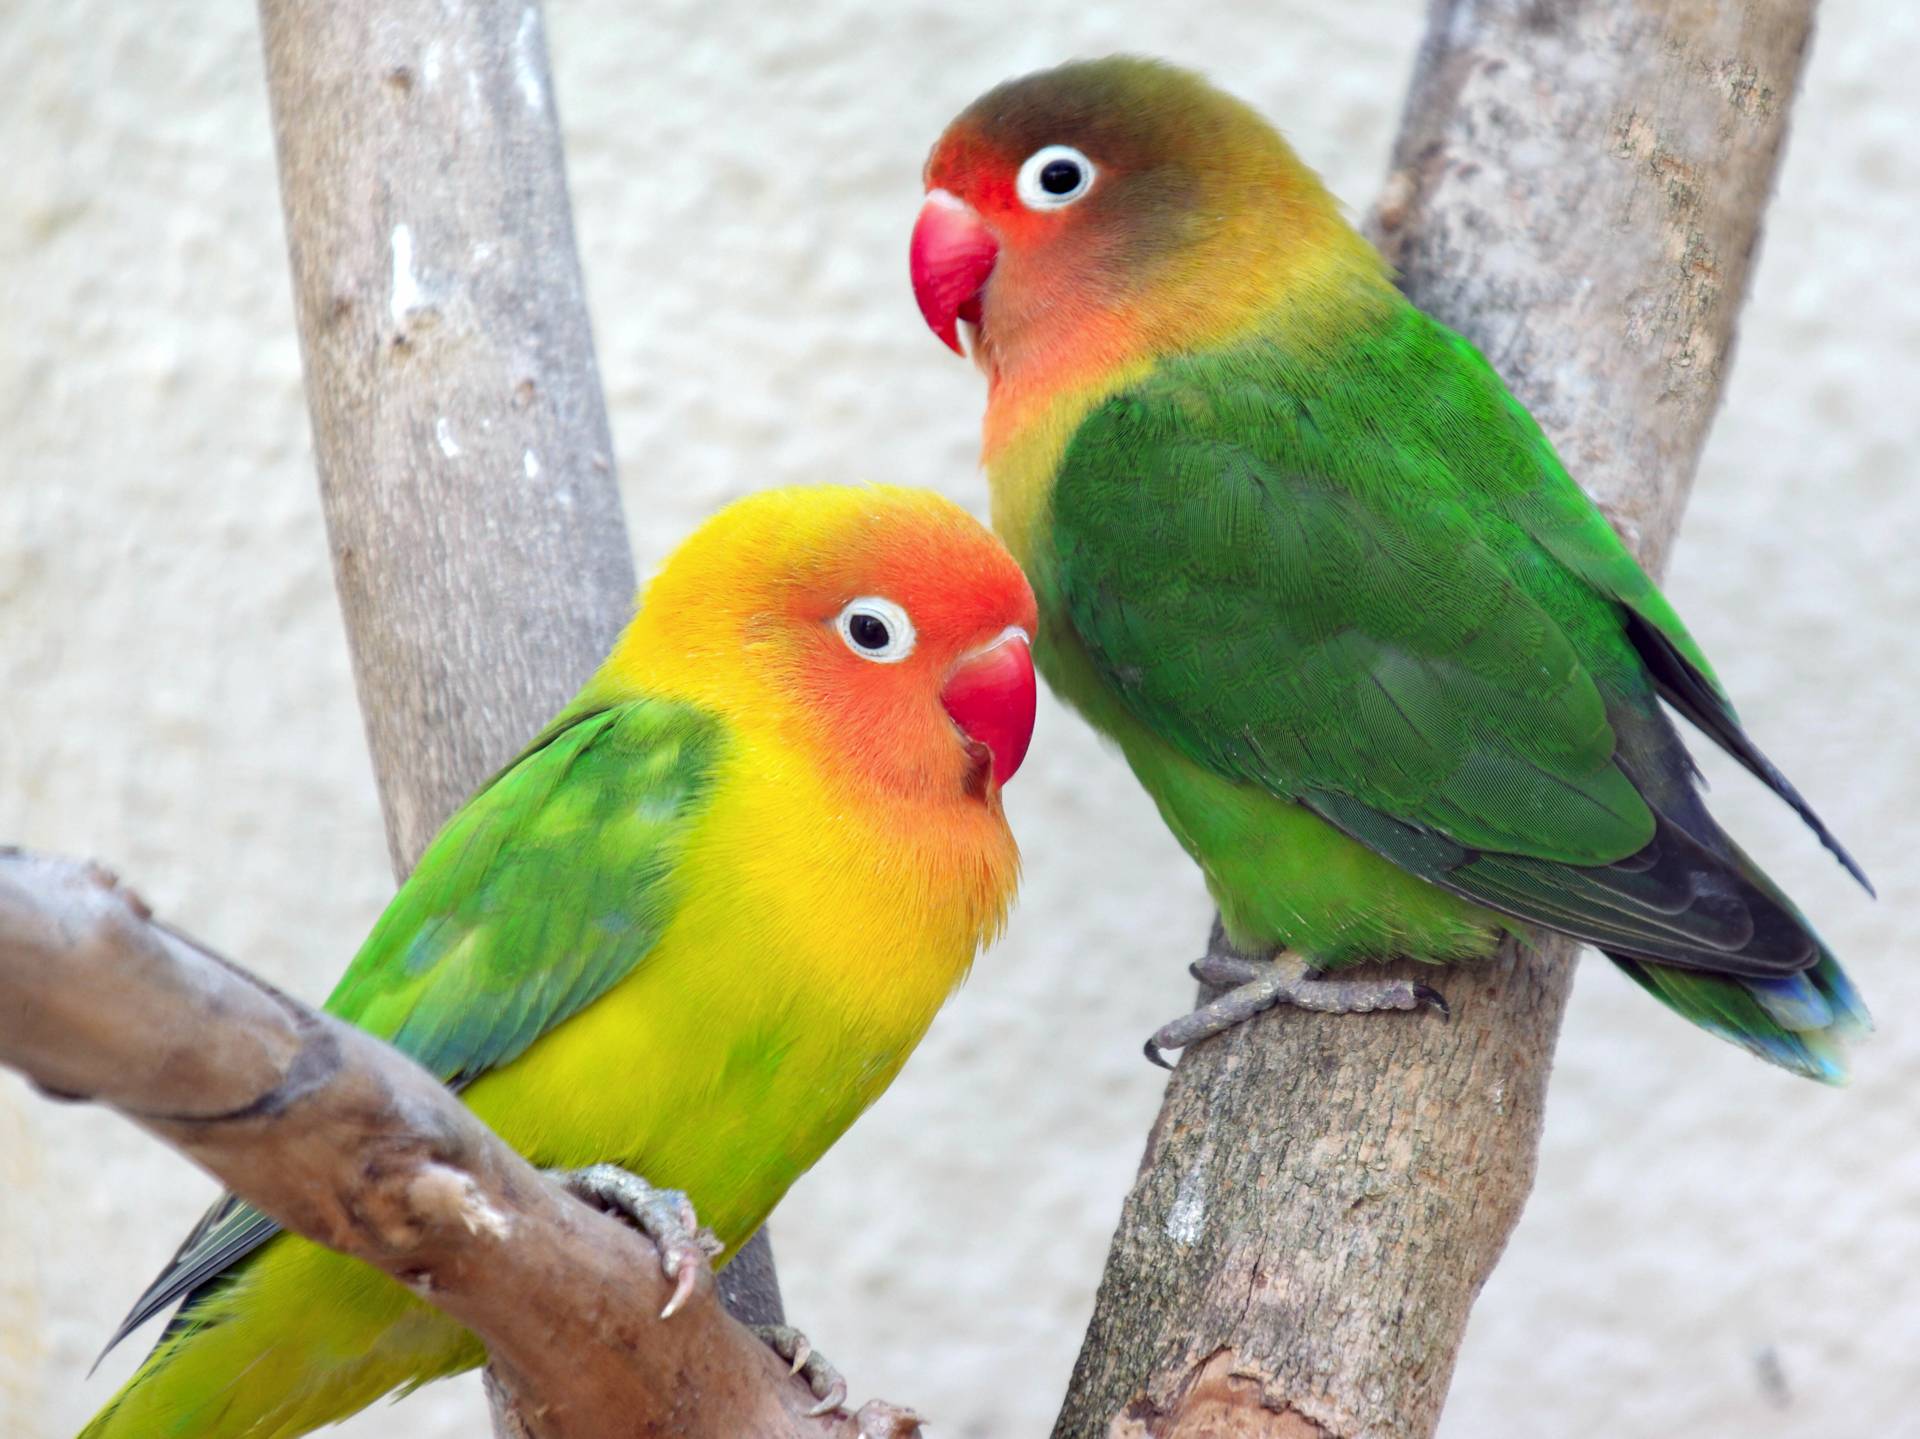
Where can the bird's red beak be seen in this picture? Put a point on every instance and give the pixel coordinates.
(951, 256)
(990, 694)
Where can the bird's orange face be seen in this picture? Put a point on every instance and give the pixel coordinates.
(884, 628)
(914, 654)
(1015, 241)
(1051, 199)
(1083, 217)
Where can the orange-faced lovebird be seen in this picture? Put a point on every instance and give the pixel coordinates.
(693, 930)
(1389, 675)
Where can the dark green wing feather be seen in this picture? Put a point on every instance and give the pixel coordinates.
(1366, 585)
(1563, 523)
(541, 893)
(1692, 691)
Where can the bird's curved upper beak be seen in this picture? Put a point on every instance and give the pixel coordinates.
(990, 694)
(951, 256)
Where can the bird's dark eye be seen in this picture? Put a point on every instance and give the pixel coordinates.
(1053, 176)
(875, 628)
(1059, 177)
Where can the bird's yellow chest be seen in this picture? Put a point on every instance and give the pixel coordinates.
(812, 944)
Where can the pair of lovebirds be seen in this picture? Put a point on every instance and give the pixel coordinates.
(1389, 675)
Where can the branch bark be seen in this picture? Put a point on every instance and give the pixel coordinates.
(1578, 188)
(459, 427)
(346, 1141)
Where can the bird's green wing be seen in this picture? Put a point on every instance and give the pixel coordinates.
(1322, 581)
(539, 895)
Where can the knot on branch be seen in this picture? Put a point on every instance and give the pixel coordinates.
(1221, 1397)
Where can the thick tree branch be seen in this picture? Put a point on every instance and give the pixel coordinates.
(458, 425)
(350, 1143)
(1578, 188)
(458, 422)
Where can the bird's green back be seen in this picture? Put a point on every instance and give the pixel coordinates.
(1357, 578)
(1304, 582)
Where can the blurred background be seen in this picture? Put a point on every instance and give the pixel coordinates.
(1712, 1248)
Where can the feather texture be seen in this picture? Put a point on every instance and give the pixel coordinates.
(1436, 647)
(694, 929)
(1389, 674)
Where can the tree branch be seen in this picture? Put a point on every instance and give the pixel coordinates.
(458, 425)
(458, 422)
(343, 1139)
(1578, 189)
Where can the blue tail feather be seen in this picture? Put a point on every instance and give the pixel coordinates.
(1801, 1022)
(1796, 1001)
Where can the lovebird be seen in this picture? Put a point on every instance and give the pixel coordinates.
(693, 930)
(1387, 672)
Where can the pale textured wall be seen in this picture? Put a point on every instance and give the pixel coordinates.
(174, 694)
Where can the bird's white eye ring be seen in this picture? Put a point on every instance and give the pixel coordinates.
(876, 629)
(1053, 176)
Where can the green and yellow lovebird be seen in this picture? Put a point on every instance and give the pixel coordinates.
(693, 930)
(1389, 675)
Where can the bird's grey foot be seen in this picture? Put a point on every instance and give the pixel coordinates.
(822, 1378)
(664, 1215)
(1256, 985)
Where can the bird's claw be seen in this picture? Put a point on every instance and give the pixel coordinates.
(664, 1215)
(803, 1359)
(1254, 986)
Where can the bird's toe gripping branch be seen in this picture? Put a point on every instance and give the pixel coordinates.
(1258, 985)
(822, 1378)
(664, 1215)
